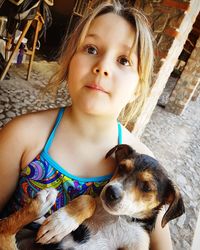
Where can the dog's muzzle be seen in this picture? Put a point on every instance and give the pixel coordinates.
(112, 194)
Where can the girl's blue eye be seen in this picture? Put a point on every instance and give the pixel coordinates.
(124, 61)
(91, 50)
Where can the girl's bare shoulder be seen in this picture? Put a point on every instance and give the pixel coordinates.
(26, 135)
(29, 127)
(130, 139)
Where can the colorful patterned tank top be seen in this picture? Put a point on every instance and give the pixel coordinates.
(44, 172)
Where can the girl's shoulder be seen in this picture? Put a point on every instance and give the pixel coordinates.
(28, 133)
(33, 122)
(130, 139)
(29, 130)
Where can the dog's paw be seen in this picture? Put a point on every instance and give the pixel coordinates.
(44, 200)
(56, 227)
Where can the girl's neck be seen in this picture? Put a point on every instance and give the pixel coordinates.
(88, 125)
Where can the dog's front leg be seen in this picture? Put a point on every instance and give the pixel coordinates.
(66, 219)
(10, 225)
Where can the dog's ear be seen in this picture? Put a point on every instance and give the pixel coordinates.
(176, 206)
(122, 151)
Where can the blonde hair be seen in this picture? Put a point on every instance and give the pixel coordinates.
(143, 43)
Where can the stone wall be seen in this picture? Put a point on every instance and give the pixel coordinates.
(171, 21)
(165, 17)
(187, 84)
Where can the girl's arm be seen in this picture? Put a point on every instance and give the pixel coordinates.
(11, 151)
(21, 140)
(160, 237)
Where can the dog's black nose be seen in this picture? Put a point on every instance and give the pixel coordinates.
(113, 193)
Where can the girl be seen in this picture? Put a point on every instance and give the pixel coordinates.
(107, 64)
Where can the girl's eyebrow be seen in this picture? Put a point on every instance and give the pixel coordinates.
(96, 37)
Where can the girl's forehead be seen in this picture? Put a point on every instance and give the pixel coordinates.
(113, 28)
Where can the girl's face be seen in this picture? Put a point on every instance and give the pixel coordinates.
(102, 77)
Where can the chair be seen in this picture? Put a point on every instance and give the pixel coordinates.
(31, 14)
(14, 48)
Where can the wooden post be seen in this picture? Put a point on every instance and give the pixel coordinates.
(196, 239)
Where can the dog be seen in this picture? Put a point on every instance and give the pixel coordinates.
(120, 219)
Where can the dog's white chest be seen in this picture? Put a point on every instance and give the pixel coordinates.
(121, 234)
(108, 233)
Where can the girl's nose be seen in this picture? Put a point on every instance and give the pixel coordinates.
(98, 70)
(102, 67)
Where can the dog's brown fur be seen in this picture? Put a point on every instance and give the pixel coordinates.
(143, 192)
(10, 225)
(80, 208)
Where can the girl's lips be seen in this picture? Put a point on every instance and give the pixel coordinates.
(96, 87)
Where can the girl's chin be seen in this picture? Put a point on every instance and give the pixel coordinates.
(94, 107)
(96, 111)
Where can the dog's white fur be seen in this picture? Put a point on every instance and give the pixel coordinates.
(61, 223)
(110, 232)
(129, 205)
(111, 225)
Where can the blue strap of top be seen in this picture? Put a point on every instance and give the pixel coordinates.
(119, 133)
(52, 135)
(58, 119)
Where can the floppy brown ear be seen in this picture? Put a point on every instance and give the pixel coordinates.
(176, 206)
(122, 151)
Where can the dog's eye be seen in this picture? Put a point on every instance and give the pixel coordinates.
(145, 187)
(122, 169)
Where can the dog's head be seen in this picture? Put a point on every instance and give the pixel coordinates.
(140, 187)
